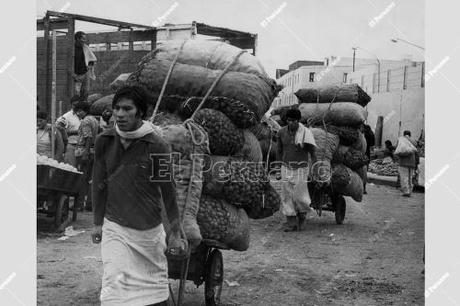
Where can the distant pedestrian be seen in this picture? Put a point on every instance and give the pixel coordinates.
(84, 61)
(370, 142)
(389, 149)
(84, 152)
(407, 160)
(70, 122)
(294, 144)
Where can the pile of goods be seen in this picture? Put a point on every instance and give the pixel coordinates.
(384, 166)
(48, 161)
(219, 178)
(335, 113)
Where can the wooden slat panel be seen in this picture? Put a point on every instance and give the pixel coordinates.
(120, 36)
(55, 24)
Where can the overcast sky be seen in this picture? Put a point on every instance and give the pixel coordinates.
(295, 29)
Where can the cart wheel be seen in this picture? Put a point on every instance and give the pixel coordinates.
(61, 219)
(214, 278)
(340, 208)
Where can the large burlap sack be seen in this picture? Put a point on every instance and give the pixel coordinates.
(336, 93)
(195, 81)
(243, 114)
(209, 54)
(404, 147)
(223, 222)
(340, 114)
(224, 137)
(98, 107)
(326, 143)
(271, 203)
(361, 143)
(187, 163)
(251, 150)
(350, 157)
(347, 182)
(119, 81)
(163, 119)
(239, 182)
(93, 98)
(347, 135)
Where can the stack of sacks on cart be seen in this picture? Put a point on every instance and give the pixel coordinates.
(220, 179)
(335, 115)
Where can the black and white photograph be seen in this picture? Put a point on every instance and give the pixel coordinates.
(230, 153)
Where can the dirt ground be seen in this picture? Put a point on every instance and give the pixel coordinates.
(374, 258)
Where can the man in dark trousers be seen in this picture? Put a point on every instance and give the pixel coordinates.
(83, 65)
(370, 142)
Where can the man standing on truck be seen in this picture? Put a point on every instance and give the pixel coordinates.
(132, 181)
(295, 142)
(83, 65)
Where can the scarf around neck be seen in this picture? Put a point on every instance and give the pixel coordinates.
(127, 138)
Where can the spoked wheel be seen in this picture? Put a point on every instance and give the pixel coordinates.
(340, 208)
(214, 278)
(61, 218)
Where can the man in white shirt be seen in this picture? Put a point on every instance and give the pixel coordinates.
(71, 122)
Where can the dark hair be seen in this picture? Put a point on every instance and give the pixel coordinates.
(81, 105)
(407, 133)
(293, 114)
(79, 35)
(75, 98)
(42, 115)
(138, 94)
(388, 143)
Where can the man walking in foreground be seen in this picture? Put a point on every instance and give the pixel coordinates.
(132, 182)
(295, 142)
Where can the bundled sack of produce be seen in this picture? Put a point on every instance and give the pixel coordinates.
(326, 143)
(195, 81)
(224, 137)
(347, 182)
(361, 143)
(221, 221)
(347, 135)
(240, 183)
(187, 164)
(333, 93)
(98, 106)
(340, 114)
(404, 147)
(251, 150)
(164, 119)
(119, 81)
(243, 115)
(271, 203)
(350, 157)
(93, 98)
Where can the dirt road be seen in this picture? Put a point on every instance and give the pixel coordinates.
(374, 258)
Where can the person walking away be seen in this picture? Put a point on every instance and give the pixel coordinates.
(84, 151)
(370, 142)
(407, 162)
(83, 65)
(389, 149)
(71, 123)
(294, 143)
(133, 180)
(44, 132)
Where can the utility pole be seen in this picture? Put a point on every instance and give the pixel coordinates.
(354, 56)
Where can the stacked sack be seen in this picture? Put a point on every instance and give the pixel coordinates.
(336, 114)
(233, 180)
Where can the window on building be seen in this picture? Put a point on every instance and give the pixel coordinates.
(362, 81)
(423, 75)
(405, 78)
(388, 79)
(312, 77)
(345, 77)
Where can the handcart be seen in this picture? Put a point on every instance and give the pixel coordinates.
(203, 265)
(54, 187)
(323, 197)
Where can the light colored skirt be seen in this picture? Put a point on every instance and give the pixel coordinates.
(295, 196)
(135, 266)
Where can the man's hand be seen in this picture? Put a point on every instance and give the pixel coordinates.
(96, 234)
(177, 245)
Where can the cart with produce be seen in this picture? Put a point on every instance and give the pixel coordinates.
(56, 183)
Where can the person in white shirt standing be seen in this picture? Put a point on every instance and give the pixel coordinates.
(71, 122)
